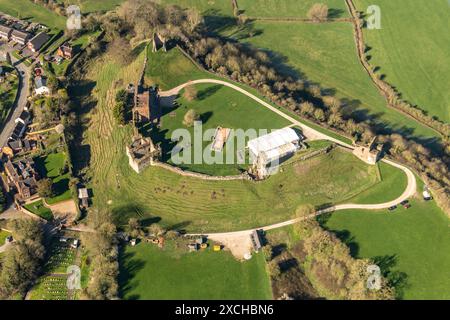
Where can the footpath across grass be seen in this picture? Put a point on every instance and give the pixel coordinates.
(147, 272)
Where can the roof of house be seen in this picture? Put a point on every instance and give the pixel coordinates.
(83, 193)
(273, 140)
(40, 82)
(20, 34)
(5, 29)
(66, 48)
(25, 115)
(39, 40)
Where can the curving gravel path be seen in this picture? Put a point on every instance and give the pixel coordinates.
(311, 134)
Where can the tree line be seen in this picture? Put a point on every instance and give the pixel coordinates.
(22, 262)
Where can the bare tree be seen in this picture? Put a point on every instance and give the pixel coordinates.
(318, 12)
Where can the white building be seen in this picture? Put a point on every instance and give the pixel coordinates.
(271, 149)
(41, 86)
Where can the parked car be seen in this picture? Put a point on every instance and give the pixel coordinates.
(392, 208)
(405, 204)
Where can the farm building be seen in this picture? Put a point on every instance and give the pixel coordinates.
(65, 51)
(19, 36)
(5, 32)
(38, 41)
(271, 149)
(41, 86)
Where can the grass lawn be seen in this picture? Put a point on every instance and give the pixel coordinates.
(411, 244)
(50, 166)
(392, 184)
(326, 54)
(205, 7)
(196, 204)
(217, 106)
(88, 6)
(406, 65)
(171, 68)
(3, 235)
(8, 91)
(289, 8)
(39, 209)
(147, 272)
(25, 9)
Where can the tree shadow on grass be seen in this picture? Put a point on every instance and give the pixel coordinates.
(395, 278)
(208, 92)
(129, 266)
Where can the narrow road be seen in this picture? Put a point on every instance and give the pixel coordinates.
(311, 134)
(19, 104)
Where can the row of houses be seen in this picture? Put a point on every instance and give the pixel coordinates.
(33, 43)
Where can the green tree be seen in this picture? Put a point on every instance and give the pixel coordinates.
(45, 188)
(190, 117)
(119, 113)
(2, 200)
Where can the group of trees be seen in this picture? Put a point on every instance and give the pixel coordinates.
(45, 188)
(334, 270)
(21, 263)
(123, 106)
(103, 255)
(3, 200)
(190, 117)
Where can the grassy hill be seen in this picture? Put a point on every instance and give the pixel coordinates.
(26, 9)
(147, 272)
(198, 204)
(289, 8)
(326, 54)
(411, 49)
(411, 246)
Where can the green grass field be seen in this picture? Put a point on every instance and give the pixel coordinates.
(289, 8)
(39, 209)
(3, 235)
(326, 54)
(88, 6)
(412, 244)
(50, 166)
(169, 69)
(206, 7)
(197, 204)
(217, 106)
(406, 65)
(147, 272)
(25, 9)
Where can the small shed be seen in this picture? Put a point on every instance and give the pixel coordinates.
(75, 243)
(133, 242)
(256, 241)
(83, 195)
